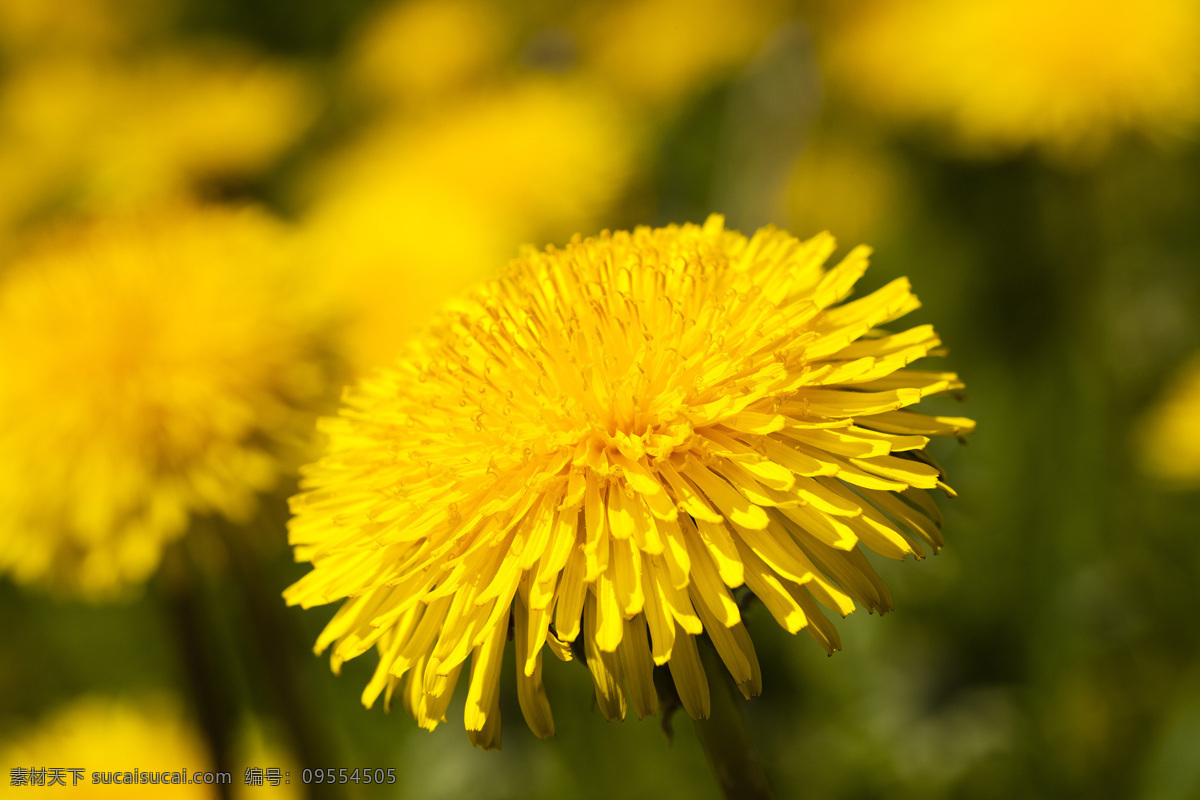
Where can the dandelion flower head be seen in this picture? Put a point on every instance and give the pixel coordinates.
(661, 51)
(154, 368)
(421, 52)
(1062, 75)
(103, 134)
(598, 446)
(841, 184)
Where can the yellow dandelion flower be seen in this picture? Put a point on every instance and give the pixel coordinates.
(424, 51)
(201, 115)
(33, 29)
(105, 134)
(598, 446)
(1169, 438)
(663, 50)
(1064, 75)
(154, 368)
(112, 737)
(844, 185)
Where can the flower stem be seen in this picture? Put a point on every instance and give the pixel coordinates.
(275, 648)
(726, 740)
(212, 699)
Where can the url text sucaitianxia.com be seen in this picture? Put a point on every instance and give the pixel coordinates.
(58, 776)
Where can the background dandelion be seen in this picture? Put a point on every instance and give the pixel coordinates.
(1169, 439)
(1044, 210)
(161, 123)
(1064, 76)
(160, 368)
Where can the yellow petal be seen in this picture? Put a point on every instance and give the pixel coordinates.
(659, 621)
(626, 563)
(604, 666)
(483, 690)
(595, 515)
(675, 553)
(572, 591)
(530, 692)
(687, 497)
(688, 675)
(735, 649)
(719, 544)
(609, 627)
(707, 589)
(638, 667)
(773, 593)
(725, 497)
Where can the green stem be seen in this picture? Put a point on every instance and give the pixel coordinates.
(270, 630)
(211, 700)
(726, 740)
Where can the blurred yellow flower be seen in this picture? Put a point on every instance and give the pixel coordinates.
(601, 444)
(103, 736)
(420, 209)
(999, 75)
(30, 27)
(427, 50)
(843, 185)
(102, 134)
(154, 368)
(201, 116)
(1169, 439)
(660, 51)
